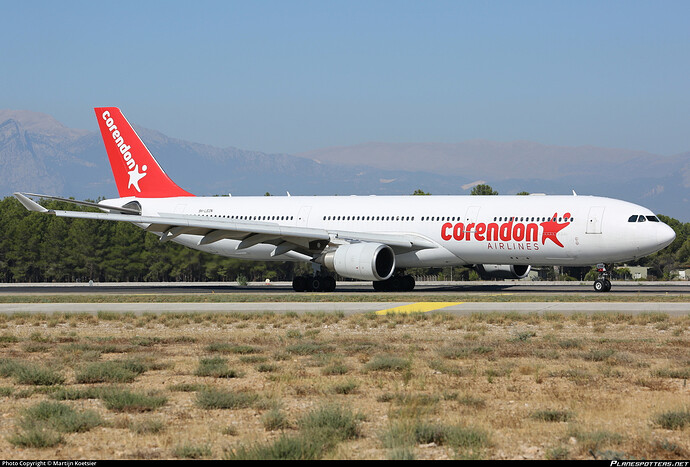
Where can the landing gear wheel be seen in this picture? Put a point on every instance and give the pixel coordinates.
(395, 284)
(603, 284)
(408, 283)
(328, 284)
(316, 284)
(313, 284)
(299, 284)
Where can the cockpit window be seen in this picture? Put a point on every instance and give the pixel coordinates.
(652, 218)
(633, 218)
(641, 219)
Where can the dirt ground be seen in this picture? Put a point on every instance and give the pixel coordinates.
(522, 386)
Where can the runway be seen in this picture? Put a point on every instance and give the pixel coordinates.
(347, 308)
(459, 299)
(347, 287)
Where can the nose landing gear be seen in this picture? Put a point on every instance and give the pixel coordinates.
(603, 283)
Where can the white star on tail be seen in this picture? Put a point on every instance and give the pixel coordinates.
(135, 176)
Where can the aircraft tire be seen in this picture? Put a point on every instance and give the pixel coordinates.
(299, 284)
(599, 285)
(316, 284)
(408, 283)
(328, 284)
(379, 286)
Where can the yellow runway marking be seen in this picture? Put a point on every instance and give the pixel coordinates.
(419, 307)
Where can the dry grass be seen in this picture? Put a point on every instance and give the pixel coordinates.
(427, 386)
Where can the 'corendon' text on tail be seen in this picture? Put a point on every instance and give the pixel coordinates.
(136, 171)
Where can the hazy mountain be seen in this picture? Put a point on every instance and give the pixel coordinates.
(660, 182)
(502, 161)
(39, 154)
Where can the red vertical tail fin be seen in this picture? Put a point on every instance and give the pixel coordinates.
(136, 171)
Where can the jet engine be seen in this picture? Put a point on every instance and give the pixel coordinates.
(502, 271)
(364, 261)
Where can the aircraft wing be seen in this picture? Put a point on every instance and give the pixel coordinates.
(298, 242)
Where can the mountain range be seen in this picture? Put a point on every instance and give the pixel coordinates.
(39, 154)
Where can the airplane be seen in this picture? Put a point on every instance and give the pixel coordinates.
(371, 238)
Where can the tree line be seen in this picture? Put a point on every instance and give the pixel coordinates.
(35, 247)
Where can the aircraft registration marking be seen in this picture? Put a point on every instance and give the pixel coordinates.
(419, 307)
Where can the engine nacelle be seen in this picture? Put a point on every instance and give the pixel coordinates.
(364, 261)
(502, 271)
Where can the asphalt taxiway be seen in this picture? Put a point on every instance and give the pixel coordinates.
(347, 308)
(347, 287)
(456, 293)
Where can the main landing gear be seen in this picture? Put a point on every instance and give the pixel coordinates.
(317, 283)
(603, 284)
(396, 283)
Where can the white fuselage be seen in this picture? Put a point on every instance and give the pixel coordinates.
(519, 230)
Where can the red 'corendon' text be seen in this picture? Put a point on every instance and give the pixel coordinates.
(506, 232)
(509, 231)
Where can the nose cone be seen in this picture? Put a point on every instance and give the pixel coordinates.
(665, 235)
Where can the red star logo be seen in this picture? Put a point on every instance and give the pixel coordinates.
(551, 228)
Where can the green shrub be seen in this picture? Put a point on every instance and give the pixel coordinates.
(148, 425)
(72, 394)
(38, 376)
(223, 347)
(673, 420)
(673, 373)
(266, 368)
(216, 399)
(40, 425)
(598, 355)
(552, 415)
(275, 420)
(348, 387)
(191, 451)
(309, 348)
(186, 387)
(595, 440)
(335, 369)
(401, 436)
(216, 367)
(116, 371)
(333, 422)
(35, 438)
(29, 373)
(8, 339)
(60, 417)
(286, 447)
(387, 363)
(127, 401)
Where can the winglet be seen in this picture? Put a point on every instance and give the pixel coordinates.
(30, 204)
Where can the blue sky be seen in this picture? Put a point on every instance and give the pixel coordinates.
(291, 76)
